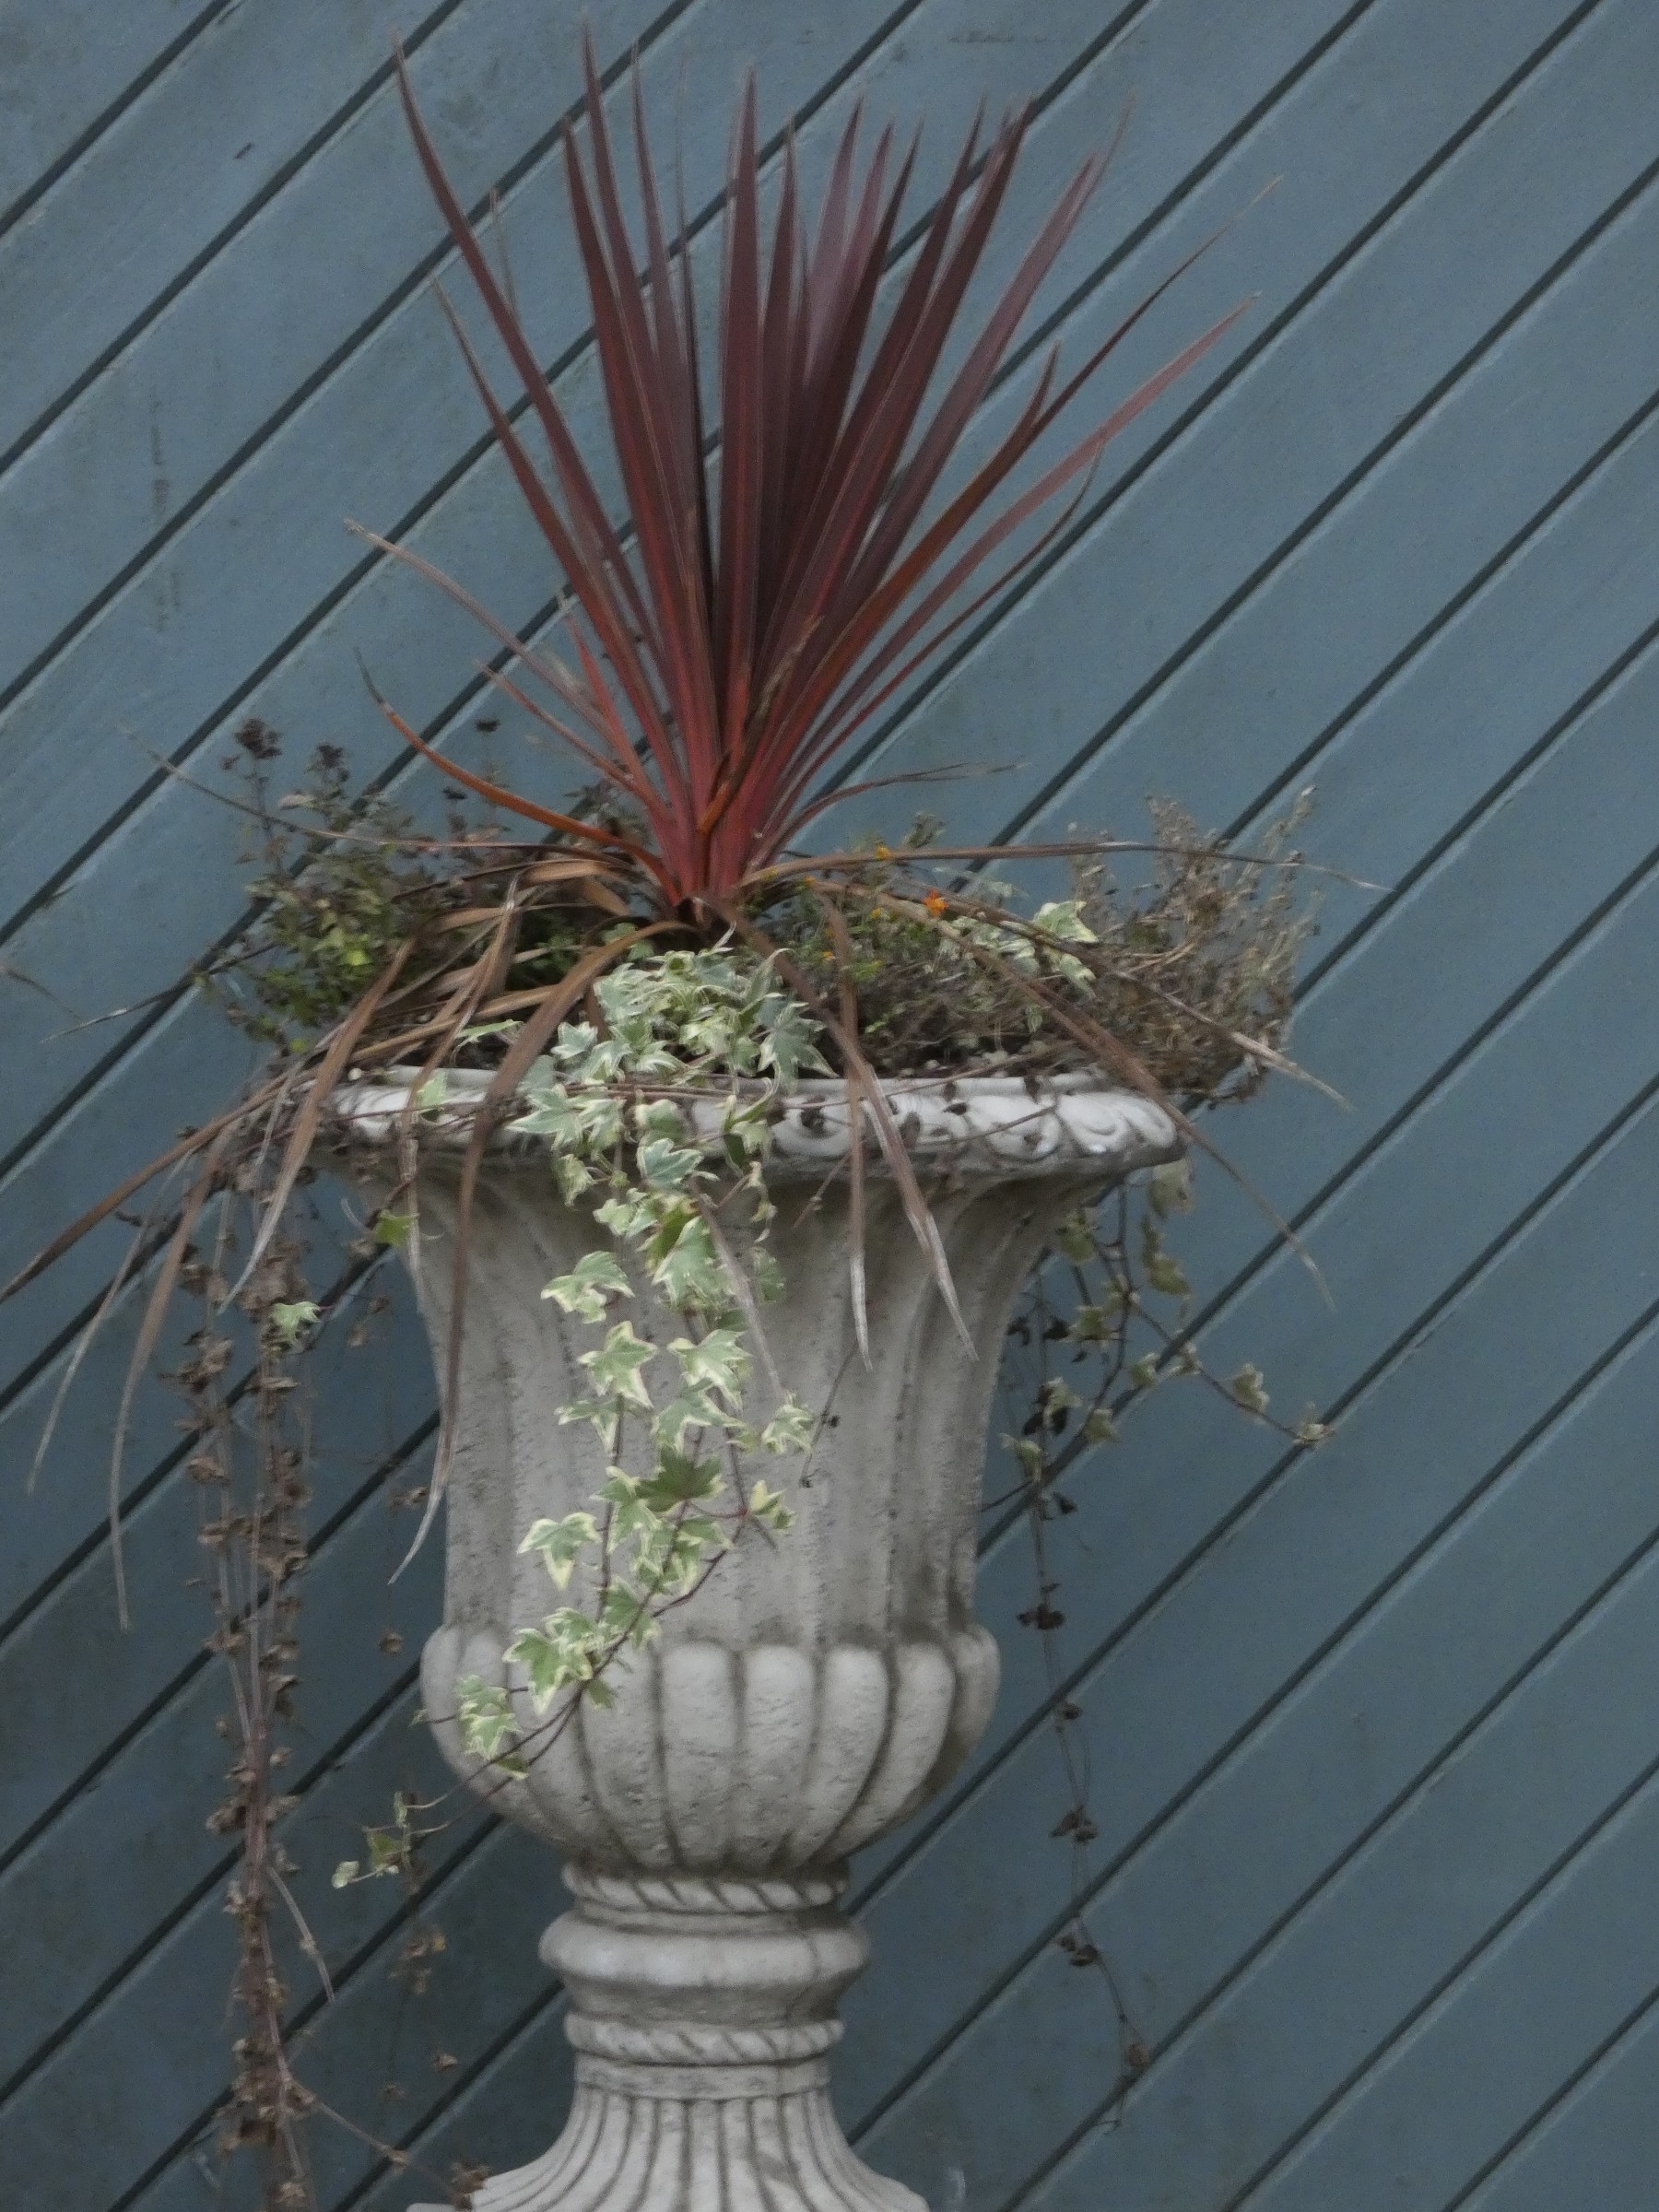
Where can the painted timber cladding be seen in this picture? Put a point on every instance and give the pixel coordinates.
(1375, 1734)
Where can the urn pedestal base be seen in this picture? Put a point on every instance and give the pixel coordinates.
(702, 2012)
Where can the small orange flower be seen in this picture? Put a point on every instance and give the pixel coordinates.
(935, 902)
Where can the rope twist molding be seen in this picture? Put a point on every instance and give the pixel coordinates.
(696, 1893)
(671, 2043)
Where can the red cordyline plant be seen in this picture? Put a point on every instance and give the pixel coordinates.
(768, 593)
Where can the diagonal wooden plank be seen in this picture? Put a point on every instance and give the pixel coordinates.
(72, 1635)
(370, 416)
(243, 103)
(1484, 954)
(131, 1850)
(509, 2112)
(53, 1523)
(1408, 1599)
(1116, 1553)
(1244, 2074)
(1278, 676)
(67, 69)
(490, 1908)
(1442, 1895)
(136, 2081)
(1499, 2039)
(1374, 279)
(1598, 2138)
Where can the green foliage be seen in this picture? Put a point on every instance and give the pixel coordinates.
(289, 1319)
(339, 890)
(1186, 965)
(606, 1099)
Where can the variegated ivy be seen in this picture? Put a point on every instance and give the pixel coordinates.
(606, 1101)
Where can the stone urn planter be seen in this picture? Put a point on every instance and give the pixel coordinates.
(820, 1688)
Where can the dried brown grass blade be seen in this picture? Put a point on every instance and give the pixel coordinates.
(83, 1344)
(841, 938)
(743, 1290)
(149, 1330)
(526, 1047)
(197, 1141)
(308, 1119)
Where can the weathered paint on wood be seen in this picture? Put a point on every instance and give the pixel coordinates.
(1376, 1770)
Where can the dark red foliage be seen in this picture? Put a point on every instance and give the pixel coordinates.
(770, 592)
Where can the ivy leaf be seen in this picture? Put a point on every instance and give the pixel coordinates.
(791, 1429)
(745, 1130)
(659, 1118)
(1162, 1271)
(688, 1269)
(557, 1654)
(1170, 1188)
(680, 1479)
(587, 1290)
(553, 1116)
(561, 1543)
(290, 1320)
(393, 1230)
(1075, 1239)
(619, 1614)
(691, 1409)
(575, 1040)
(485, 1712)
(601, 1412)
(718, 1361)
(791, 1044)
(600, 1117)
(631, 1515)
(572, 1175)
(665, 1165)
(1063, 918)
(627, 1215)
(768, 1507)
(616, 1368)
(389, 1847)
(704, 1535)
(1247, 1387)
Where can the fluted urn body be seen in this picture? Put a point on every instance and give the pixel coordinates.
(817, 1689)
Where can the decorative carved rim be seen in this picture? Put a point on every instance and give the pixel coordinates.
(1000, 1125)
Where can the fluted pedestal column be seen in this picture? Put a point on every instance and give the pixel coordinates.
(702, 2013)
(815, 1693)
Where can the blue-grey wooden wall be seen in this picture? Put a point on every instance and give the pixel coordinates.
(1375, 1734)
